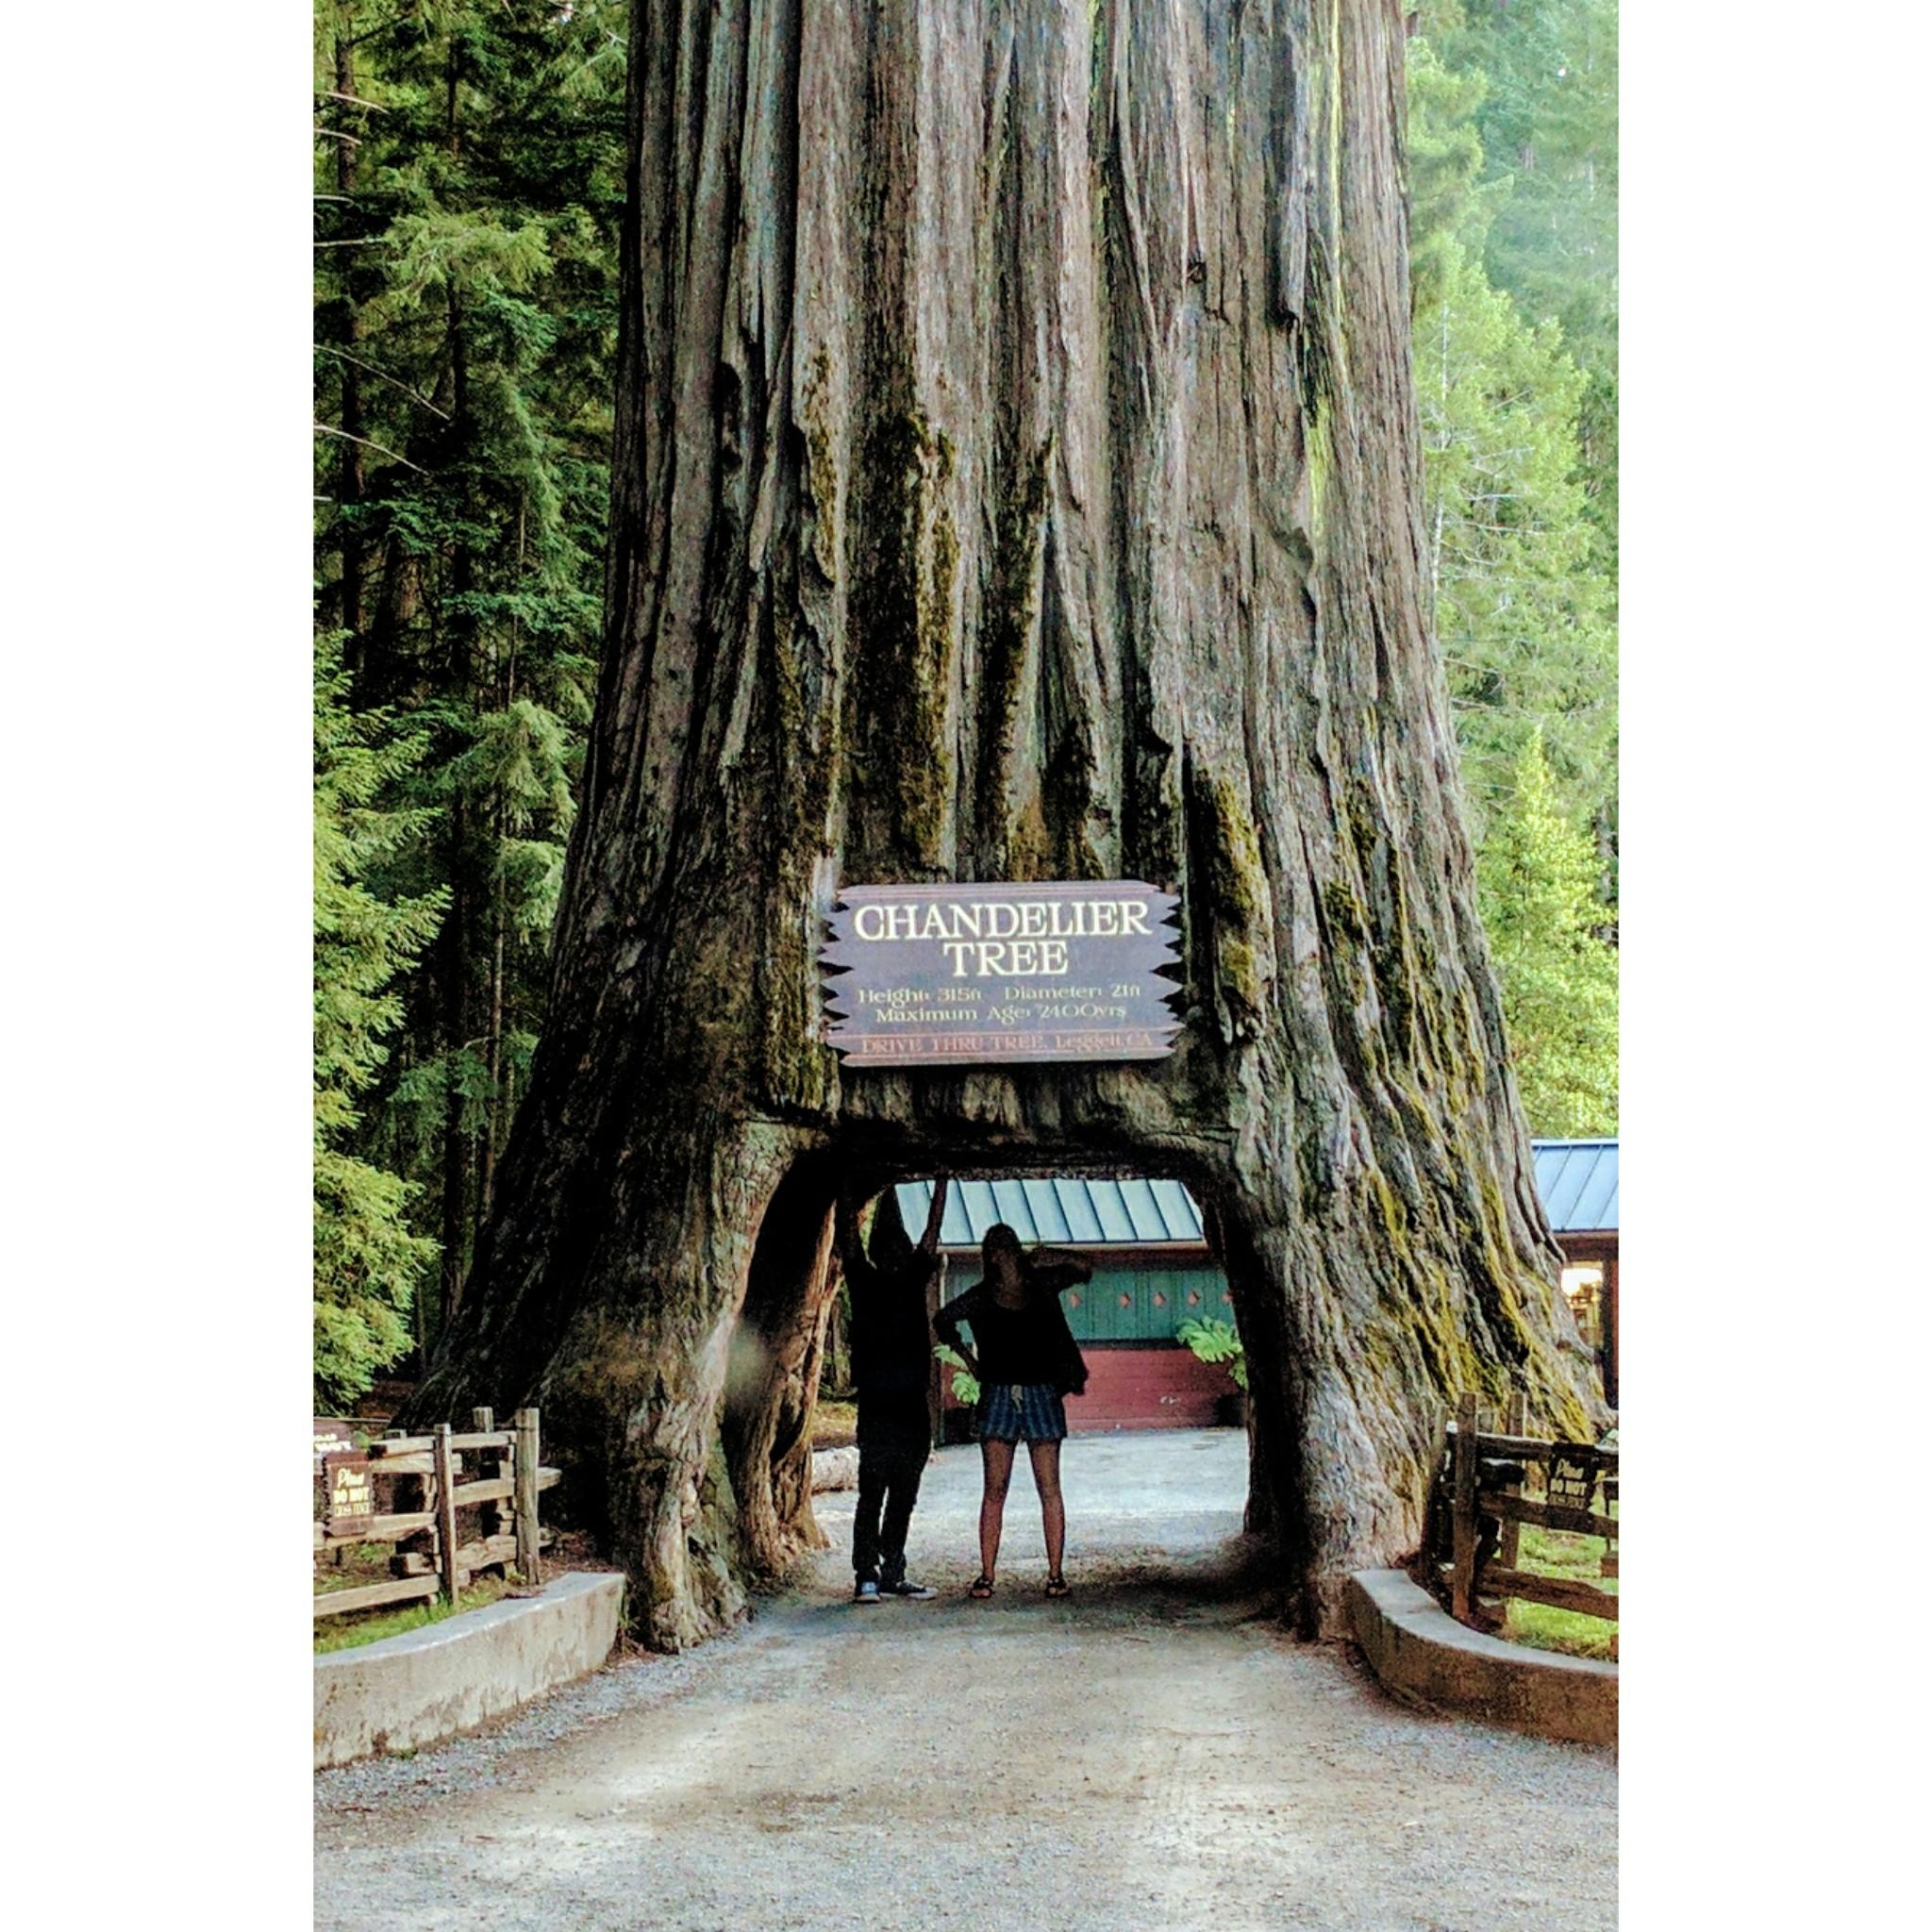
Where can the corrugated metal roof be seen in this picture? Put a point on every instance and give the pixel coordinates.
(1578, 1180)
(1062, 1211)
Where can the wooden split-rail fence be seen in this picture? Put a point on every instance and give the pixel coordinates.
(414, 1491)
(1485, 1487)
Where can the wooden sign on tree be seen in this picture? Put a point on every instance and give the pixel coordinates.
(937, 975)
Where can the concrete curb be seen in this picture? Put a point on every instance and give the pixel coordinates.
(1424, 1657)
(429, 1684)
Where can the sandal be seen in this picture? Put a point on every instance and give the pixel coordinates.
(982, 1587)
(1056, 1586)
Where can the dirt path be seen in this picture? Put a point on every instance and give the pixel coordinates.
(1151, 1753)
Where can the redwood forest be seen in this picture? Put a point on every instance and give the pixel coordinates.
(795, 452)
(469, 180)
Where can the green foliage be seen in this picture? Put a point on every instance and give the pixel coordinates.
(1513, 168)
(1215, 1342)
(1522, 609)
(368, 1263)
(466, 328)
(1536, 875)
(965, 1384)
(1521, 585)
(1547, 122)
(1450, 205)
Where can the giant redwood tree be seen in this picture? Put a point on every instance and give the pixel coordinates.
(1016, 478)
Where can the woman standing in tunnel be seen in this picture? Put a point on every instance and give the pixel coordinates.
(1026, 1360)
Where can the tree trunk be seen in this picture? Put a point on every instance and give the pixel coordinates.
(351, 479)
(1016, 478)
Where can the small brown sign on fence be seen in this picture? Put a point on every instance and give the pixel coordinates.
(942, 975)
(1485, 1488)
(415, 1493)
(351, 1493)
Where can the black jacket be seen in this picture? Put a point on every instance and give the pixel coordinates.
(1028, 1344)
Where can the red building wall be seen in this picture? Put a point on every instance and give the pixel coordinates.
(1147, 1386)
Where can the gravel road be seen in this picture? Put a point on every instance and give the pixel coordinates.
(1150, 1753)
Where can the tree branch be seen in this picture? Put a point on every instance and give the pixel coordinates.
(382, 375)
(329, 429)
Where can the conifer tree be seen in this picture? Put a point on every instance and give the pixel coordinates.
(1522, 590)
(466, 321)
(1520, 517)
(1548, 126)
(368, 1263)
(1536, 873)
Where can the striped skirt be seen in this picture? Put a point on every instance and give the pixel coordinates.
(1021, 1412)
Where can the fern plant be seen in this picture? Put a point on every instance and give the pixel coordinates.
(1216, 1341)
(965, 1384)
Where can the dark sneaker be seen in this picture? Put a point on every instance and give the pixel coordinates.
(901, 1587)
(865, 1591)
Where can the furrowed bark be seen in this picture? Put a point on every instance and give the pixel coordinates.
(1016, 477)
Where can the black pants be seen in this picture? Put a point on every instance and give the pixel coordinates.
(889, 1468)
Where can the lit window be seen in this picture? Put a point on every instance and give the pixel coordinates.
(1583, 1289)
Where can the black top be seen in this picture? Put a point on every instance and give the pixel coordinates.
(1030, 1343)
(891, 1337)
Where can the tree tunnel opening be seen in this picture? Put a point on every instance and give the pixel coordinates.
(1149, 1441)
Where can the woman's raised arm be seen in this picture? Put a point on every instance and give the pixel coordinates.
(1054, 1270)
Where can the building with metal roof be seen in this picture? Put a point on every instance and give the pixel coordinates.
(1578, 1181)
(1153, 1270)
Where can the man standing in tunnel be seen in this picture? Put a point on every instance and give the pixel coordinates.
(891, 1366)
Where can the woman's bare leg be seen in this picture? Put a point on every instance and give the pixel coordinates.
(1053, 1509)
(998, 1458)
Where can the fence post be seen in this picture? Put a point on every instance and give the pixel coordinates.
(1432, 1501)
(446, 1513)
(1463, 1520)
(529, 1560)
(488, 1464)
(1512, 1530)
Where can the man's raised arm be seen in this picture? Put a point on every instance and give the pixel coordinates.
(850, 1248)
(930, 1240)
